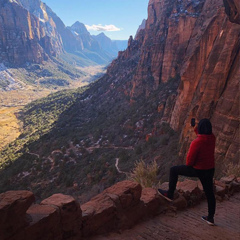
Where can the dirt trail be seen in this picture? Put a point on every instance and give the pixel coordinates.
(187, 225)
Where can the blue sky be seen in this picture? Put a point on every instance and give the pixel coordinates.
(120, 18)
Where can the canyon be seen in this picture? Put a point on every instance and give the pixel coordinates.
(183, 64)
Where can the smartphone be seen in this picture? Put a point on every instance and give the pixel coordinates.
(193, 122)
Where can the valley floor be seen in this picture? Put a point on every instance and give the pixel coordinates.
(11, 103)
(187, 225)
(9, 125)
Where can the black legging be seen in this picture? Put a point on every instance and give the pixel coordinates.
(206, 178)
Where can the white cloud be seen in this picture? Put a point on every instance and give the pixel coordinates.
(99, 27)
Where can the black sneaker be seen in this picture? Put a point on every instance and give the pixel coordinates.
(210, 221)
(164, 194)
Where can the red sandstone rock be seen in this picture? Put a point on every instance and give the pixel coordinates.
(220, 191)
(209, 80)
(219, 183)
(236, 186)
(70, 212)
(23, 38)
(190, 191)
(45, 224)
(13, 207)
(228, 180)
(180, 202)
(98, 215)
(232, 8)
(129, 192)
(117, 207)
(151, 201)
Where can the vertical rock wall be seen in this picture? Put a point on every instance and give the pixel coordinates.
(197, 42)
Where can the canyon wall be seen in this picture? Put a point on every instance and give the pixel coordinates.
(196, 43)
(22, 39)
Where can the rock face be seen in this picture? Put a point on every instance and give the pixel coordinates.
(22, 39)
(209, 83)
(193, 44)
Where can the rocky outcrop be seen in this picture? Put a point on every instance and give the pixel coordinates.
(13, 207)
(118, 207)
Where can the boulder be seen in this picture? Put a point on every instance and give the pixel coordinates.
(151, 202)
(236, 186)
(129, 193)
(191, 191)
(228, 180)
(220, 191)
(116, 207)
(98, 215)
(45, 224)
(70, 212)
(13, 207)
(180, 202)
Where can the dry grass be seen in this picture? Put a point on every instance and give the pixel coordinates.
(9, 125)
(145, 174)
(21, 97)
(11, 103)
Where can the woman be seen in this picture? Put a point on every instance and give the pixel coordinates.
(199, 163)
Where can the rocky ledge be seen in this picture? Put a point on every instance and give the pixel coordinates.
(118, 207)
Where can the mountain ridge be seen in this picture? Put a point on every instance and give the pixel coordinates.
(33, 37)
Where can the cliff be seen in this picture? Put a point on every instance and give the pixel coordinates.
(22, 39)
(194, 42)
(183, 64)
(31, 32)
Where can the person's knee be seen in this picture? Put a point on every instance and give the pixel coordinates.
(173, 170)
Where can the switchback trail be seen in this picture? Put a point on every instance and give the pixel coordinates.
(187, 225)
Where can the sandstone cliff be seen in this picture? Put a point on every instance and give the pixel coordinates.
(22, 39)
(31, 32)
(193, 41)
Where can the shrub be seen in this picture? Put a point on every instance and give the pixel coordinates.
(145, 174)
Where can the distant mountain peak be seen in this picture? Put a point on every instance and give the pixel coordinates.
(102, 36)
(79, 28)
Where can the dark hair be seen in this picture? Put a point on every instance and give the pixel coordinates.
(205, 127)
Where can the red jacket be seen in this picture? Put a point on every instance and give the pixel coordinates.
(201, 152)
